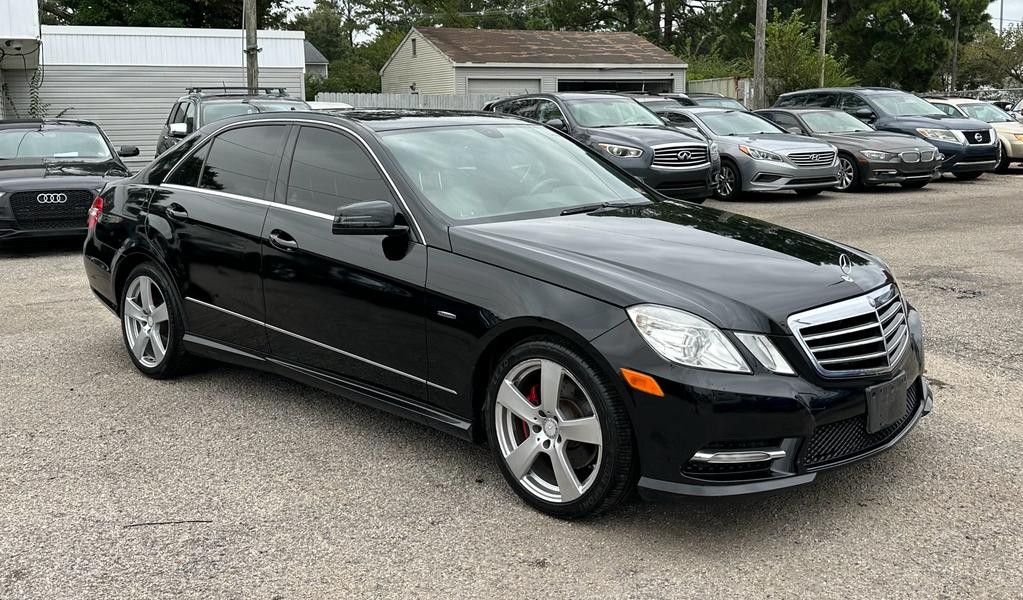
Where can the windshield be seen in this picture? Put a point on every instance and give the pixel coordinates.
(214, 111)
(988, 113)
(478, 172)
(734, 122)
(610, 112)
(720, 102)
(834, 121)
(44, 142)
(905, 105)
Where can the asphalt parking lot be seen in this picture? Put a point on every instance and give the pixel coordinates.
(236, 484)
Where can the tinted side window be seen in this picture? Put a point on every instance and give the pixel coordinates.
(330, 170)
(678, 119)
(852, 103)
(547, 110)
(822, 99)
(784, 120)
(790, 101)
(947, 109)
(188, 172)
(166, 161)
(177, 114)
(240, 160)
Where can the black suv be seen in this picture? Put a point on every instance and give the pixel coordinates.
(205, 105)
(50, 172)
(970, 146)
(675, 163)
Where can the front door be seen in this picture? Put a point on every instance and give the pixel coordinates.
(349, 306)
(207, 218)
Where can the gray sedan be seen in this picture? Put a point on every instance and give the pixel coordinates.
(758, 156)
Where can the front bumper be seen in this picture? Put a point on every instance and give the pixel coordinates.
(876, 172)
(968, 158)
(7, 233)
(774, 176)
(818, 424)
(1013, 148)
(682, 183)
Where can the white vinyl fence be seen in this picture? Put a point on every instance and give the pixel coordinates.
(439, 101)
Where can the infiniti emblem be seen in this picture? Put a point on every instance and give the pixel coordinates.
(51, 198)
(684, 155)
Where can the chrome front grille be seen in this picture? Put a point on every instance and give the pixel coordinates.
(812, 159)
(910, 157)
(860, 336)
(927, 156)
(680, 156)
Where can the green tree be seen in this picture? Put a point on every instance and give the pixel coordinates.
(994, 60)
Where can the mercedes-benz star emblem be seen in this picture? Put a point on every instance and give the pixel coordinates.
(684, 155)
(846, 265)
(977, 136)
(51, 198)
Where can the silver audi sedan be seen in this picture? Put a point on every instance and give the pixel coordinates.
(757, 155)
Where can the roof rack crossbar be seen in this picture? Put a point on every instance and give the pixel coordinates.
(228, 89)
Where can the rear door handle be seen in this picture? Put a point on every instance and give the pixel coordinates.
(282, 240)
(177, 212)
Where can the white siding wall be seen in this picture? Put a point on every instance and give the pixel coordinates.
(549, 76)
(131, 104)
(429, 69)
(19, 20)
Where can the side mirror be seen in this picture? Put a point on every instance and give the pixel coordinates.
(794, 130)
(376, 217)
(178, 129)
(864, 114)
(128, 151)
(557, 124)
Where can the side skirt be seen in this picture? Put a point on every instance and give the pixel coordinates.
(351, 390)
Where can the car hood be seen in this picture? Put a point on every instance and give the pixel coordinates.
(935, 122)
(1008, 127)
(35, 174)
(874, 140)
(735, 271)
(778, 142)
(646, 136)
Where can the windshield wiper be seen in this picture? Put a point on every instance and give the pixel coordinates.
(588, 208)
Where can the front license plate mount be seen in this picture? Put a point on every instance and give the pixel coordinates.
(886, 403)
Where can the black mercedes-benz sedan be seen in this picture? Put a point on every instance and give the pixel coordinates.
(866, 156)
(50, 172)
(499, 281)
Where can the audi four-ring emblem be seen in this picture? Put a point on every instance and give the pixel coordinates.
(51, 198)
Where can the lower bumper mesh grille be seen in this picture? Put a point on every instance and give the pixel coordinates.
(68, 211)
(848, 438)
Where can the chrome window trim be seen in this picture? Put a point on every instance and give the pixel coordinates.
(322, 345)
(857, 305)
(296, 209)
(285, 120)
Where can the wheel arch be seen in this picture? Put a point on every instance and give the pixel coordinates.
(509, 334)
(126, 262)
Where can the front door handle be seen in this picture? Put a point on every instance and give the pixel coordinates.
(177, 212)
(282, 240)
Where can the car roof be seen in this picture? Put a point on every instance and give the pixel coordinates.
(384, 119)
(564, 96)
(799, 109)
(23, 123)
(862, 90)
(955, 101)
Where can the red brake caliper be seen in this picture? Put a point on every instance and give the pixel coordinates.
(534, 398)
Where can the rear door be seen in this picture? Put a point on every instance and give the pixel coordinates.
(206, 218)
(349, 306)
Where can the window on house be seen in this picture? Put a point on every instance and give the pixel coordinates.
(413, 47)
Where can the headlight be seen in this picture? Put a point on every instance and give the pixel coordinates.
(715, 152)
(621, 151)
(1019, 136)
(759, 154)
(766, 352)
(943, 135)
(686, 339)
(879, 155)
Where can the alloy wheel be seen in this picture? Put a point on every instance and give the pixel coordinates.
(726, 183)
(846, 173)
(146, 324)
(548, 431)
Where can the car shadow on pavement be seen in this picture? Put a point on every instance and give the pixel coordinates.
(31, 248)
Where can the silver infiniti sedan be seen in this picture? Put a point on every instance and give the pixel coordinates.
(757, 155)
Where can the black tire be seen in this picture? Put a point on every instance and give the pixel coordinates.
(846, 161)
(1003, 160)
(730, 182)
(968, 176)
(174, 360)
(617, 469)
(913, 185)
(808, 193)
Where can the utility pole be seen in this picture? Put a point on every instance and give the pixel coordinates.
(824, 36)
(759, 48)
(1001, 16)
(955, 56)
(251, 47)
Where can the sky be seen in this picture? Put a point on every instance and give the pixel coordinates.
(1013, 12)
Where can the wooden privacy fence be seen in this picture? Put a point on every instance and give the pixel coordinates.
(440, 101)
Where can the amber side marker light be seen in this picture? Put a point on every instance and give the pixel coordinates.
(642, 382)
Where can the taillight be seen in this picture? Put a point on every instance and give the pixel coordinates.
(94, 212)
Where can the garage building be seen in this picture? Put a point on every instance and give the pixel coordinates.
(126, 79)
(441, 60)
